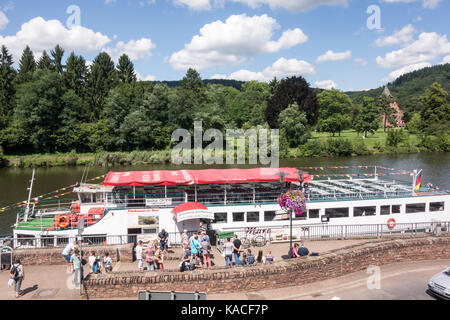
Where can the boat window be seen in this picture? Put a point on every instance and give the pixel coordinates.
(384, 210)
(220, 217)
(269, 215)
(253, 216)
(337, 212)
(85, 197)
(415, 207)
(364, 211)
(437, 206)
(149, 231)
(238, 216)
(396, 208)
(313, 213)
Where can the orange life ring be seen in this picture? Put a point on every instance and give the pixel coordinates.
(63, 221)
(391, 223)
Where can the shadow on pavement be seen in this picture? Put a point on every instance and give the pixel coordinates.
(28, 290)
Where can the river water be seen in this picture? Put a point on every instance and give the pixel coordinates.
(14, 182)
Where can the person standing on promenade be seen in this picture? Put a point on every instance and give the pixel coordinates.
(138, 251)
(196, 249)
(150, 257)
(228, 252)
(17, 273)
(163, 238)
(75, 259)
(184, 239)
(67, 253)
(237, 250)
(206, 252)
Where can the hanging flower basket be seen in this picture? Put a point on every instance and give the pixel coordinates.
(293, 200)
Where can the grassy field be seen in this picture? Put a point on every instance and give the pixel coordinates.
(371, 140)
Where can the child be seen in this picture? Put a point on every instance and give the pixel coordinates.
(159, 259)
(97, 265)
(107, 262)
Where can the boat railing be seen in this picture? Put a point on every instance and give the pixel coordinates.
(244, 197)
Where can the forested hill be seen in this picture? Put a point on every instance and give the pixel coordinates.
(228, 83)
(410, 86)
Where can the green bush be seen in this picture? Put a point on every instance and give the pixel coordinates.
(394, 137)
(313, 148)
(360, 148)
(339, 147)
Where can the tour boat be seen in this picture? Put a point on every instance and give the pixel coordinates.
(137, 205)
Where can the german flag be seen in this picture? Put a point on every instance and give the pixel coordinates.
(418, 181)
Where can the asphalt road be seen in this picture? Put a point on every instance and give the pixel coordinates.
(401, 281)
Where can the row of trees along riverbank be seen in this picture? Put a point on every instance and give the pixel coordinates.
(51, 107)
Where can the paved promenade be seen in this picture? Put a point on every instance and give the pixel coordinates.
(53, 283)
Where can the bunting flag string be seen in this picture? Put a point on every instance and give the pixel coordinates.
(52, 195)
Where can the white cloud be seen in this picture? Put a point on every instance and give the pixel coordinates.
(405, 35)
(110, 1)
(4, 21)
(41, 35)
(326, 84)
(334, 56)
(195, 4)
(418, 19)
(281, 68)
(135, 49)
(234, 41)
(146, 78)
(409, 68)
(293, 5)
(427, 47)
(446, 60)
(361, 61)
(428, 4)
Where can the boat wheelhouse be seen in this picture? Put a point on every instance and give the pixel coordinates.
(144, 202)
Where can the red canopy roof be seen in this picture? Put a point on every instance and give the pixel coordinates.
(209, 176)
(187, 206)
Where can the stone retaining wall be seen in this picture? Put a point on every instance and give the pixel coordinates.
(52, 256)
(278, 274)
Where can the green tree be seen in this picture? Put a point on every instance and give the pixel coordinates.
(436, 110)
(45, 62)
(295, 125)
(100, 80)
(289, 91)
(368, 121)
(414, 125)
(75, 75)
(57, 54)
(38, 109)
(7, 88)
(125, 70)
(27, 65)
(335, 109)
(384, 104)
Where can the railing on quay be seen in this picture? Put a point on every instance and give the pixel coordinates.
(270, 233)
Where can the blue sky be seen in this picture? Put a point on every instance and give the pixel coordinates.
(326, 41)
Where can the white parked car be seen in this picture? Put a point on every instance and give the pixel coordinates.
(440, 284)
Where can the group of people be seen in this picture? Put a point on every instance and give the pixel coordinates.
(234, 250)
(153, 256)
(197, 250)
(75, 262)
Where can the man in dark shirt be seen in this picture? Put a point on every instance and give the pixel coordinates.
(236, 250)
(163, 238)
(302, 251)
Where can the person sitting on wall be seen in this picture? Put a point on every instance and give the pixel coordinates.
(250, 259)
(186, 259)
(303, 251)
(294, 253)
